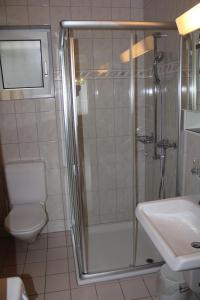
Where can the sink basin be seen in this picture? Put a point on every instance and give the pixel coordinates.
(173, 225)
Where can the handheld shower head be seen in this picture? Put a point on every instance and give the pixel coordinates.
(159, 57)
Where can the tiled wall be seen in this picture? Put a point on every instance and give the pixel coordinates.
(31, 129)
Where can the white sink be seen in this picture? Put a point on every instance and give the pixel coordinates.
(172, 225)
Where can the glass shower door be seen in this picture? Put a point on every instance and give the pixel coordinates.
(106, 126)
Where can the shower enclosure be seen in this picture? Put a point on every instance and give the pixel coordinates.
(114, 113)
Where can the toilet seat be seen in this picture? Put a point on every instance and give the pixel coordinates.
(25, 218)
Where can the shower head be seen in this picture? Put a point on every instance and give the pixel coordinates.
(159, 57)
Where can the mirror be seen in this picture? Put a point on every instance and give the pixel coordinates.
(191, 71)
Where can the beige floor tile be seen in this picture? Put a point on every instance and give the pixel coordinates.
(36, 297)
(84, 293)
(15, 270)
(34, 285)
(134, 288)
(71, 265)
(36, 256)
(56, 234)
(107, 292)
(62, 295)
(39, 244)
(73, 281)
(17, 258)
(57, 282)
(70, 252)
(59, 241)
(151, 281)
(57, 253)
(57, 266)
(34, 269)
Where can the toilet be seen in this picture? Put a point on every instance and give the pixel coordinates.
(27, 194)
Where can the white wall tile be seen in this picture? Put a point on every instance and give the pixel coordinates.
(84, 57)
(122, 121)
(88, 123)
(59, 2)
(10, 152)
(81, 3)
(24, 106)
(7, 107)
(54, 207)
(8, 128)
(101, 13)
(80, 13)
(38, 2)
(137, 14)
(104, 97)
(119, 46)
(53, 182)
(56, 225)
(49, 153)
(58, 13)
(17, 15)
(102, 3)
(16, 2)
(121, 92)
(105, 122)
(102, 53)
(139, 3)
(108, 202)
(121, 13)
(43, 105)
(27, 127)
(3, 15)
(38, 15)
(47, 129)
(29, 151)
(121, 3)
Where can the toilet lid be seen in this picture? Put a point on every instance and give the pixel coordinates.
(25, 218)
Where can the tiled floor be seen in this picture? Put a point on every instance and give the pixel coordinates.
(48, 272)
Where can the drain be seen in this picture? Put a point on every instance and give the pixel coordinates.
(150, 260)
(195, 245)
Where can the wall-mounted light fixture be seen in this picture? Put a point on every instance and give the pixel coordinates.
(138, 49)
(189, 21)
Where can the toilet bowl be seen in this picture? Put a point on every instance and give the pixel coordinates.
(27, 194)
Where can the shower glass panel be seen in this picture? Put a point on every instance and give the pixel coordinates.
(106, 141)
(114, 98)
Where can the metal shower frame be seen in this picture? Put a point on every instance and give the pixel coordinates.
(66, 27)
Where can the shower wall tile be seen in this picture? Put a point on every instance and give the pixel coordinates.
(85, 59)
(119, 46)
(59, 2)
(102, 53)
(104, 97)
(105, 123)
(139, 3)
(122, 121)
(124, 205)
(88, 124)
(102, 3)
(121, 92)
(108, 202)
(38, 2)
(15, 2)
(58, 13)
